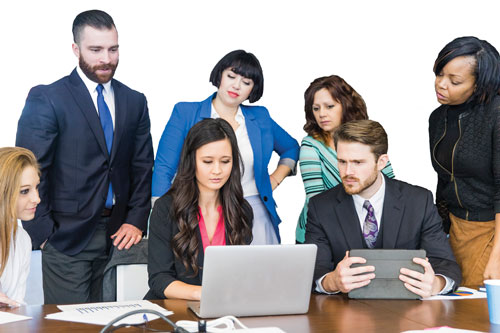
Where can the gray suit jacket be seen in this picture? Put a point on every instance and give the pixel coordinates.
(409, 221)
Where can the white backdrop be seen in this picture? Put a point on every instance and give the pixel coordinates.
(384, 49)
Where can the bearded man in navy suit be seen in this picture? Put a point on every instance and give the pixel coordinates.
(91, 135)
(370, 210)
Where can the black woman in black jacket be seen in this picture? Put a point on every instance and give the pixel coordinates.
(464, 135)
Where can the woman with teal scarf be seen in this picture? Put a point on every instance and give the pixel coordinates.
(329, 102)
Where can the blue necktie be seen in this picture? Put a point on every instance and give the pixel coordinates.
(107, 127)
(370, 228)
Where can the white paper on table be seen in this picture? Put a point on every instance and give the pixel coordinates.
(475, 294)
(443, 329)
(103, 313)
(260, 330)
(7, 317)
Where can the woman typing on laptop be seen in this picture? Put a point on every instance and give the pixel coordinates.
(204, 206)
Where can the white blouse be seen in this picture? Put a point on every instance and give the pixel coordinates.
(15, 274)
(246, 152)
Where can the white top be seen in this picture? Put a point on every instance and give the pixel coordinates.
(107, 92)
(246, 152)
(15, 274)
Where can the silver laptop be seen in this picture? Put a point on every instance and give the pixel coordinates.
(256, 280)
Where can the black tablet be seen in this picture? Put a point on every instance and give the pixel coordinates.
(386, 284)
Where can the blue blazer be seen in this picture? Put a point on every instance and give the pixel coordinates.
(265, 137)
(60, 124)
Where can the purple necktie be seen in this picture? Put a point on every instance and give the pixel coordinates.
(370, 228)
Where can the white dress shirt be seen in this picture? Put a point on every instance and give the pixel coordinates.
(107, 92)
(246, 152)
(377, 202)
(17, 268)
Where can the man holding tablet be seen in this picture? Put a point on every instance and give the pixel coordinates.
(374, 212)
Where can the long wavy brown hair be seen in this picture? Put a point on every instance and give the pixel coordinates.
(13, 161)
(353, 105)
(185, 194)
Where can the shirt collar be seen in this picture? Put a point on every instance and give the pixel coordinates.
(91, 85)
(239, 117)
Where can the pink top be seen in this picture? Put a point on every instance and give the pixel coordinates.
(219, 237)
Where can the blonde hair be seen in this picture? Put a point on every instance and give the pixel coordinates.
(13, 161)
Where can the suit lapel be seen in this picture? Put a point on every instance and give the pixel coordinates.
(348, 220)
(206, 107)
(121, 107)
(392, 214)
(254, 134)
(82, 98)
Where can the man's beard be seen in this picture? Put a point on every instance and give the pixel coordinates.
(90, 71)
(362, 186)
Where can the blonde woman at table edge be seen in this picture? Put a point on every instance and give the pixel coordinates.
(19, 179)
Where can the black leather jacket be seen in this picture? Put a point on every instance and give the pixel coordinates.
(471, 189)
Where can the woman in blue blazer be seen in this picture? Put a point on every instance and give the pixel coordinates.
(238, 77)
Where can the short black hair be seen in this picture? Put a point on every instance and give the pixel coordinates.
(244, 64)
(94, 18)
(486, 69)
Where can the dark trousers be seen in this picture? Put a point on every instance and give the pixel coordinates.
(78, 278)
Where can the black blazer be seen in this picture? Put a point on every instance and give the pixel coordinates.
(163, 267)
(60, 124)
(409, 221)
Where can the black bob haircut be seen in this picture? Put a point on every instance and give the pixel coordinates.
(244, 64)
(94, 18)
(486, 68)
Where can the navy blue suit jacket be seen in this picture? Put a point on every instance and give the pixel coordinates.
(60, 124)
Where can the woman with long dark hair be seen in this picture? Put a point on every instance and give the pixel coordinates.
(19, 179)
(204, 206)
(329, 102)
(464, 135)
(238, 77)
